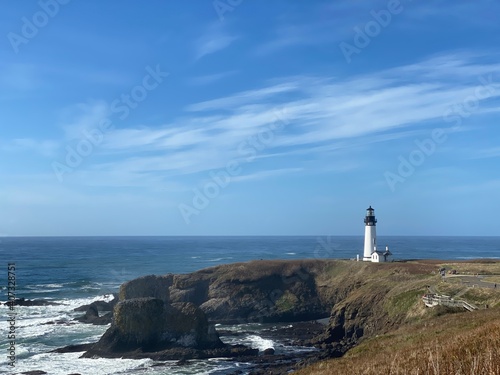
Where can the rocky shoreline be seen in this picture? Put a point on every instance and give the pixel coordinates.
(328, 306)
(298, 334)
(173, 316)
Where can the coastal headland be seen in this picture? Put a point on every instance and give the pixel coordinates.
(375, 314)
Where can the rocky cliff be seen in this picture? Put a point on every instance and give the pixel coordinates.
(361, 299)
(382, 297)
(259, 291)
(151, 325)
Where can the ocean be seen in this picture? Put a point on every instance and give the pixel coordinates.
(74, 271)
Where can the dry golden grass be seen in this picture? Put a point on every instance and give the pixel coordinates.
(429, 341)
(493, 279)
(456, 344)
(482, 267)
(477, 296)
(255, 270)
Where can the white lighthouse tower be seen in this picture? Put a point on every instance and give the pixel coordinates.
(370, 234)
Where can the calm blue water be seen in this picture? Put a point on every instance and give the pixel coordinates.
(96, 265)
(74, 271)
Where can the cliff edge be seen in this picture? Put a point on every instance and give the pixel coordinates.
(360, 299)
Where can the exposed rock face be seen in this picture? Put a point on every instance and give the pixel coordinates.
(147, 286)
(167, 317)
(151, 325)
(380, 298)
(92, 310)
(92, 316)
(360, 314)
(259, 291)
(100, 305)
(268, 351)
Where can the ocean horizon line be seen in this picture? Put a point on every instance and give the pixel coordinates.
(246, 236)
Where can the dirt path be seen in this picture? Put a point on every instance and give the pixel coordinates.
(474, 281)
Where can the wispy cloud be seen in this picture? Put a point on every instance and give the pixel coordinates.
(46, 148)
(489, 153)
(215, 39)
(211, 78)
(333, 22)
(477, 187)
(322, 114)
(461, 11)
(251, 97)
(292, 35)
(19, 76)
(83, 116)
(266, 174)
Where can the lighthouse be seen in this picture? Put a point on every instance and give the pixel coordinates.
(370, 234)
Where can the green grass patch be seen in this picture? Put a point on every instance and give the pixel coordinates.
(450, 289)
(402, 303)
(479, 296)
(286, 302)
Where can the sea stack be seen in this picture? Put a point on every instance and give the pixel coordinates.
(370, 234)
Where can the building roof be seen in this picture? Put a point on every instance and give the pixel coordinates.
(382, 252)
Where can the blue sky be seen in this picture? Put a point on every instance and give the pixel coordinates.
(249, 117)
